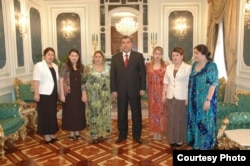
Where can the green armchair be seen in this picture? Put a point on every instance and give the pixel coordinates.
(24, 92)
(234, 116)
(12, 124)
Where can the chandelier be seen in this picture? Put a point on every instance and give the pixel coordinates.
(126, 26)
(181, 27)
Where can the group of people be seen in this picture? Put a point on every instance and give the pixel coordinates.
(182, 98)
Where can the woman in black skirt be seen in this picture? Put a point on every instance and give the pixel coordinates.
(45, 79)
(73, 114)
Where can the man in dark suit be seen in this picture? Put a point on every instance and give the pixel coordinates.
(128, 84)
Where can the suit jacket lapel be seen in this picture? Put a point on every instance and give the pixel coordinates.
(131, 57)
(120, 59)
(181, 69)
(171, 71)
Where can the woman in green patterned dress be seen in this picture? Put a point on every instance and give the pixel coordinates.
(96, 87)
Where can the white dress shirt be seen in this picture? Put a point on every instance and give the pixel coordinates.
(124, 55)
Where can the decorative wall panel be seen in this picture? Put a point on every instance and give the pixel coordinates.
(35, 30)
(19, 39)
(2, 39)
(64, 42)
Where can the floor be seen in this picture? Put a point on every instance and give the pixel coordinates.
(33, 151)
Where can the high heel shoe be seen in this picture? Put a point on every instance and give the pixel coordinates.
(71, 138)
(159, 137)
(48, 142)
(95, 141)
(155, 136)
(54, 140)
(78, 137)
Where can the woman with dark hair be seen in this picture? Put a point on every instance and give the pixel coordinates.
(202, 100)
(73, 114)
(96, 88)
(157, 109)
(175, 91)
(45, 80)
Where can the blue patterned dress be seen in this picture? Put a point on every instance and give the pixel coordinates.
(201, 124)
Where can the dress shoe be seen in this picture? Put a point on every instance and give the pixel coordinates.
(53, 140)
(138, 140)
(173, 144)
(78, 137)
(102, 139)
(119, 140)
(48, 142)
(178, 144)
(95, 141)
(71, 138)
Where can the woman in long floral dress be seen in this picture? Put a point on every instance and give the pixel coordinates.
(202, 100)
(157, 109)
(96, 87)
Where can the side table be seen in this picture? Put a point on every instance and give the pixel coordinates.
(238, 138)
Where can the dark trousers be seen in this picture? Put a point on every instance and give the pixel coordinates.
(135, 104)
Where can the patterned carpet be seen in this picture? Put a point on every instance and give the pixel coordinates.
(33, 151)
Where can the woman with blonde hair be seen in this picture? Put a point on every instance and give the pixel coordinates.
(157, 109)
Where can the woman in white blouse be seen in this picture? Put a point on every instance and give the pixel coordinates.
(45, 79)
(175, 92)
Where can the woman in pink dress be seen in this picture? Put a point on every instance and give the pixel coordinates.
(157, 109)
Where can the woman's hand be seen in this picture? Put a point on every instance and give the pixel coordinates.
(62, 98)
(163, 99)
(84, 97)
(37, 97)
(186, 102)
(114, 96)
(206, 105)
(142, 92)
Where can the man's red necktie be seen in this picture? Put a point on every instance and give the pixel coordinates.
(126, 60)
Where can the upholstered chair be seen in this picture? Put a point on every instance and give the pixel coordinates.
(12, 123)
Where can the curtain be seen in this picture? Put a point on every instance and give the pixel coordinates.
(226, 11)
(230, 38)
(216, 10)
